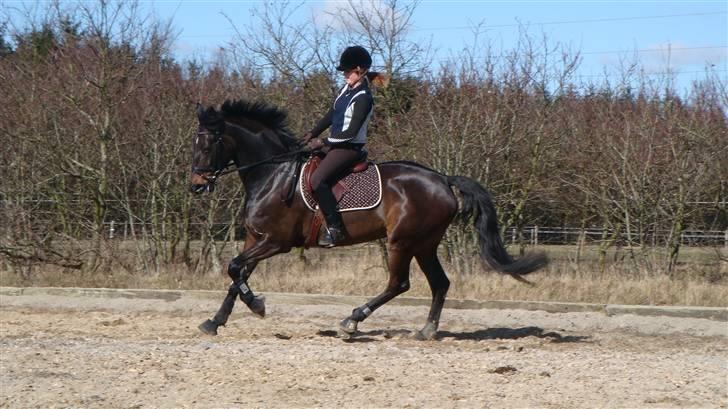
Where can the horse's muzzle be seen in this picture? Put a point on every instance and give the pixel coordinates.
(206, 187)
(201, 183)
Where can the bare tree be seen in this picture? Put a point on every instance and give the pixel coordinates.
(280, 45)
(384, 27)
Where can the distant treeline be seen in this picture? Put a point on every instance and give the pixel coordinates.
(98, 116)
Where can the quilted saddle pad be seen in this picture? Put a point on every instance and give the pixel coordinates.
(359, 191)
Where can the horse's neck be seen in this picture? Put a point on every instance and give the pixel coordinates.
(268, 181)
(254, 146)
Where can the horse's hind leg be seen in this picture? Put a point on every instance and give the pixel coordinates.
(398, 262)
(439, 284)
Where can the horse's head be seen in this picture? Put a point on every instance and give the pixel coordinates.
(209, 155)
(247, 133)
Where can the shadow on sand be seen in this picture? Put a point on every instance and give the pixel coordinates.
(479, 335)
(510, 333)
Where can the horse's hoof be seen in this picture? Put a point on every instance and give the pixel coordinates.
(347, 328)
(209, 327)
(257, 306)
(343, 335)
(429, 332)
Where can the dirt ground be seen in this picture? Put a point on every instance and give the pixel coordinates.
(58, 351)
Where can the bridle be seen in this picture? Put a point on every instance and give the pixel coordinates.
(221, 170)
(214, 168)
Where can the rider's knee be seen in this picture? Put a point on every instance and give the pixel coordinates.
(319, 185)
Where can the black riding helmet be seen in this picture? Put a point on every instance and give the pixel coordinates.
(355, 56)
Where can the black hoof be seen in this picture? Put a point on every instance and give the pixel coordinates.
(209, 327)
(258, 306)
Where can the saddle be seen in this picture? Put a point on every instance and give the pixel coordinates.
(359, 188)
(340, 188)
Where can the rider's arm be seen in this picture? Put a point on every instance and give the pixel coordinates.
(323, 123)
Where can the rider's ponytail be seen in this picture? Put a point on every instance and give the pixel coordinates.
(378, 79)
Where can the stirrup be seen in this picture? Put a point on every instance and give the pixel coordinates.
(330, 237)
(325, 239)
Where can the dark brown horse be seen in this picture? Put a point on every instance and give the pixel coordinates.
(418, 204)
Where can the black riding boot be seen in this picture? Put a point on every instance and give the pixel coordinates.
(334, 232)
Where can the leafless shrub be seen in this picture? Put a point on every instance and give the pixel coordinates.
(98, 118)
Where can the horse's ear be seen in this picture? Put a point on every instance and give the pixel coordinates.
(200, 110)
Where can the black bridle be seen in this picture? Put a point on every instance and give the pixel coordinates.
(218, 170)
(218, 140)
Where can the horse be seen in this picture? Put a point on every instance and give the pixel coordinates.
(417, 206)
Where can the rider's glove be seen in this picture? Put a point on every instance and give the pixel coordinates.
(315, 144)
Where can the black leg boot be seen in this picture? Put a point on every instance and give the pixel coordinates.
(334, 231)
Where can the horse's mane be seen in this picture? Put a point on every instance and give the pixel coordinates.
(270, 116)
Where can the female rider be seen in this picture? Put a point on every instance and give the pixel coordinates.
(348, 118)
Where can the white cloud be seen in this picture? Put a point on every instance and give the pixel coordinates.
(678, 54)
(331, 12)
(656, 57)
(325, 14)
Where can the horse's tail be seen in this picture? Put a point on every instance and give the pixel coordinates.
(477, 201)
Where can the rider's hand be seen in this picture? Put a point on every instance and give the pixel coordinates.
(307, 137)
(315, 144)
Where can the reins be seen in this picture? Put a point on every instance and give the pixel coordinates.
(274, 159)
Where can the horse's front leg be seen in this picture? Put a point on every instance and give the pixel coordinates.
(239, 270)
(210, 326)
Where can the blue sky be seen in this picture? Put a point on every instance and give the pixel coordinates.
(695, 32)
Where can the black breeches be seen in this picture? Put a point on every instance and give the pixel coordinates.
(336, 162)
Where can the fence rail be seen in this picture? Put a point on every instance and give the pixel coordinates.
(565, 235)
(535, 235)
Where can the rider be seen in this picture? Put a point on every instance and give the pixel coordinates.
(348, 118)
